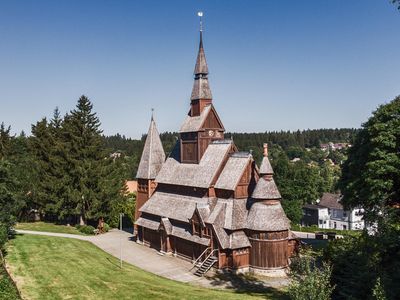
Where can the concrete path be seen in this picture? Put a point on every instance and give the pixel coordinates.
(304, 235)
(152, 261)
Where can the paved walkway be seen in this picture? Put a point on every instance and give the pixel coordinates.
(151, 260)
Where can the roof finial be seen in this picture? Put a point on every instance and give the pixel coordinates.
(152, 114)
(200, 14)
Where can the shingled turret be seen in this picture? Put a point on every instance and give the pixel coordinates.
(267, 223)
(152, 159)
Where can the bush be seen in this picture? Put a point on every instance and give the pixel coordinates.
(106, 227)
(309, 281)
(86, 229)
(3, 236)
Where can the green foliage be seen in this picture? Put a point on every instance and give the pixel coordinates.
(378, 292)
(358, 262)
(75, 176)
(5, 140)
(106, 227)
(86, 229)
(371, 175)
(3, 236)
(309, 281)
(127, 207)
(9, 202)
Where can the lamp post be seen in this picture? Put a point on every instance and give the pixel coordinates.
(120, 239)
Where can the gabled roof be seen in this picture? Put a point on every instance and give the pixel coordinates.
(267, 217)
(233, 171)
(196, 175)
(196, 123)
(266, 189)
(331, 200)
(153, 155)
(167, 225)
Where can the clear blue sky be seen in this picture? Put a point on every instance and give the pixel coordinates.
(273, 64)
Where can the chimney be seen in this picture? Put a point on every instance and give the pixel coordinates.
(265, 153)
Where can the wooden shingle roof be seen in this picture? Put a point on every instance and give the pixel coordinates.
(266, 189)
(267, 217)
(153, 155)
(196, 175)
(172, 206)
(233, 171)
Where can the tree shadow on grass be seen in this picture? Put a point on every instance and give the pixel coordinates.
(247, 284)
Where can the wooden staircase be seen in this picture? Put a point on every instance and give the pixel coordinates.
(206, 265)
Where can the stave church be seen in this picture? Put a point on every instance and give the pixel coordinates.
(207, 202)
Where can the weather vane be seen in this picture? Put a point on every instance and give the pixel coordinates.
(200, 14)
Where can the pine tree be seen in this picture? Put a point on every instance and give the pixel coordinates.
(5, 140)
(85, 156)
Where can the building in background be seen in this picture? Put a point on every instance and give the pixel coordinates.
(330, 214)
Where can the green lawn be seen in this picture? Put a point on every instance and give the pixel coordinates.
(48, 227)
(7, 288)
(60, 268)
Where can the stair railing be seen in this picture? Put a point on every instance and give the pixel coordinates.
(200, 256)
(207, 259)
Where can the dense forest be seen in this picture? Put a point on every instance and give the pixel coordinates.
(292, 142)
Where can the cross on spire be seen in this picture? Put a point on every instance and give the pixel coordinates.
(200, 14)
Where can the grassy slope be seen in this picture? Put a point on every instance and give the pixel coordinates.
(60, 268)
(48, 227)
(7, 289)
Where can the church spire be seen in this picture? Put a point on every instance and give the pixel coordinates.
(201, 89)
(153, 155)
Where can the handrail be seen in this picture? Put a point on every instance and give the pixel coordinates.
(195, 262)
(210, 254)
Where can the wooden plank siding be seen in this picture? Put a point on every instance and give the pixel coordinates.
(269, 249)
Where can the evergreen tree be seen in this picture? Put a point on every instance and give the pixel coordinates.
(85, 156)
(5, 140)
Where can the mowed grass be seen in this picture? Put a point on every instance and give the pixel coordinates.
(48, 227)
(61, 268)
(7, 288)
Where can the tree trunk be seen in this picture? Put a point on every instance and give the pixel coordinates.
(82, 220)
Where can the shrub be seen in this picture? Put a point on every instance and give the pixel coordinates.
(86, 229)
(309, 281)
(106, 227)
(3, 236)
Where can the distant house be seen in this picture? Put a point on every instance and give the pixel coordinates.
(314, 214)
(329, 214)
(339, 218)
(334, 146)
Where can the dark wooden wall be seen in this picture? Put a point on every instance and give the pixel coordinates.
(269, 249)
(151, 238)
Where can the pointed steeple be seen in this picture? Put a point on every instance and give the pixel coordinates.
(265, 167)
(153, 155)
(201, 90)
(266, 188)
